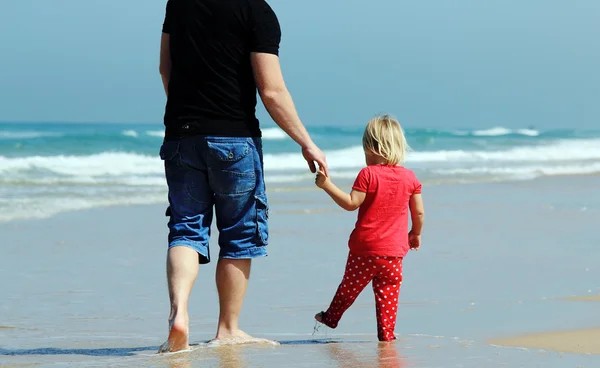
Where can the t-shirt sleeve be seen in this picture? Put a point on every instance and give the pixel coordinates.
(418, 187)
(168, 15)
(266, 31)
(361, 183)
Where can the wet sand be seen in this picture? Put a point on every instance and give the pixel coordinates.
(581, 341)
(588, 298)
(88, 288)
(574, 342)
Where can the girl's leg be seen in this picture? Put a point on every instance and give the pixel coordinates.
(386, 286)
(359, 272)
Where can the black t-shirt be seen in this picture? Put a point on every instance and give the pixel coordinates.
(212, 89)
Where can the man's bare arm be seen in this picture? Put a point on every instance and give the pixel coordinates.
(165, 61)
(278, 102)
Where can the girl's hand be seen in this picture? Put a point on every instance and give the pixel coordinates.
(414, 240)
(322, 180)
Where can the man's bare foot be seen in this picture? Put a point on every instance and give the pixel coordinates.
(178, 335)
(238, 337)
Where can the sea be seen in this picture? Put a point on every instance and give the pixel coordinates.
(48, 168)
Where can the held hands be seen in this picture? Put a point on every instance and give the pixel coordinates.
(322, 180)
(312, 154)
(414, 241)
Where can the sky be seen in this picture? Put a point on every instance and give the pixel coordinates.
(433, 64)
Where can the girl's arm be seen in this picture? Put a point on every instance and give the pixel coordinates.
(349, 202)
(417, 213)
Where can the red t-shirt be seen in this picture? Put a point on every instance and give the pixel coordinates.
(382, 226)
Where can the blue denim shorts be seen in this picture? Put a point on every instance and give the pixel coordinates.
(221, 173)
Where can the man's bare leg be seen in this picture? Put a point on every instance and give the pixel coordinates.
(232, 279)
(182, 269)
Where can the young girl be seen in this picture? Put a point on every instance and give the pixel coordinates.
(383, 192)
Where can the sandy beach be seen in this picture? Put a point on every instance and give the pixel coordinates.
(498, 266)
(584, 341)
(579, 341)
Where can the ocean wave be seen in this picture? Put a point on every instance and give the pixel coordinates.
(567, 150)
(156, 133)
(108, 163)
(76, 133)
(130, 133)
(8, 134)
(501, 131)
(43, 207)
(88, 181)
(522, 172)
(41, 186)
(121, 163)
(273, 134)
(308, 176)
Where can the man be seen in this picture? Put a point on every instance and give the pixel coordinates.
(215, 55)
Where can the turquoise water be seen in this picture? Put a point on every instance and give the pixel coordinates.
(47, 168)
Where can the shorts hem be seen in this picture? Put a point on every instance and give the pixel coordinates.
(202, 250)
(248, 253)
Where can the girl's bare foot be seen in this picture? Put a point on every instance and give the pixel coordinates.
(319, 317)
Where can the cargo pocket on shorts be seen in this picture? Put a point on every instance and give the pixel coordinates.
(231, 166)
(169, 151)
(262, 219)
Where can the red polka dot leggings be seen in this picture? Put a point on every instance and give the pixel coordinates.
(386, 274)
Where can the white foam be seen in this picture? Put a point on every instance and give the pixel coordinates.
(273, 134)
(134, 165)
(43, 207)
(132, 181)
(528, 132)
(566, 150)
(130, 133)
(560, 151)
(108, 163)
(307, 176)
(156, 133)
(524, 172)
(340, 159)
(500, 131)
(7, 134)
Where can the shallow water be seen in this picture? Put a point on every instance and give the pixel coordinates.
(410, 351)
(88, 288)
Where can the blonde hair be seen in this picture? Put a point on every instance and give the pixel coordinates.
(384, 137)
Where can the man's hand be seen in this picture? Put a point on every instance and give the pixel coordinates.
(322, 180)
(414, 241)
(313, 154)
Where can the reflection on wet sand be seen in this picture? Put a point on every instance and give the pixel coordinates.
(230, 356)
(227, 356)
(387, 357)
(182, 361)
